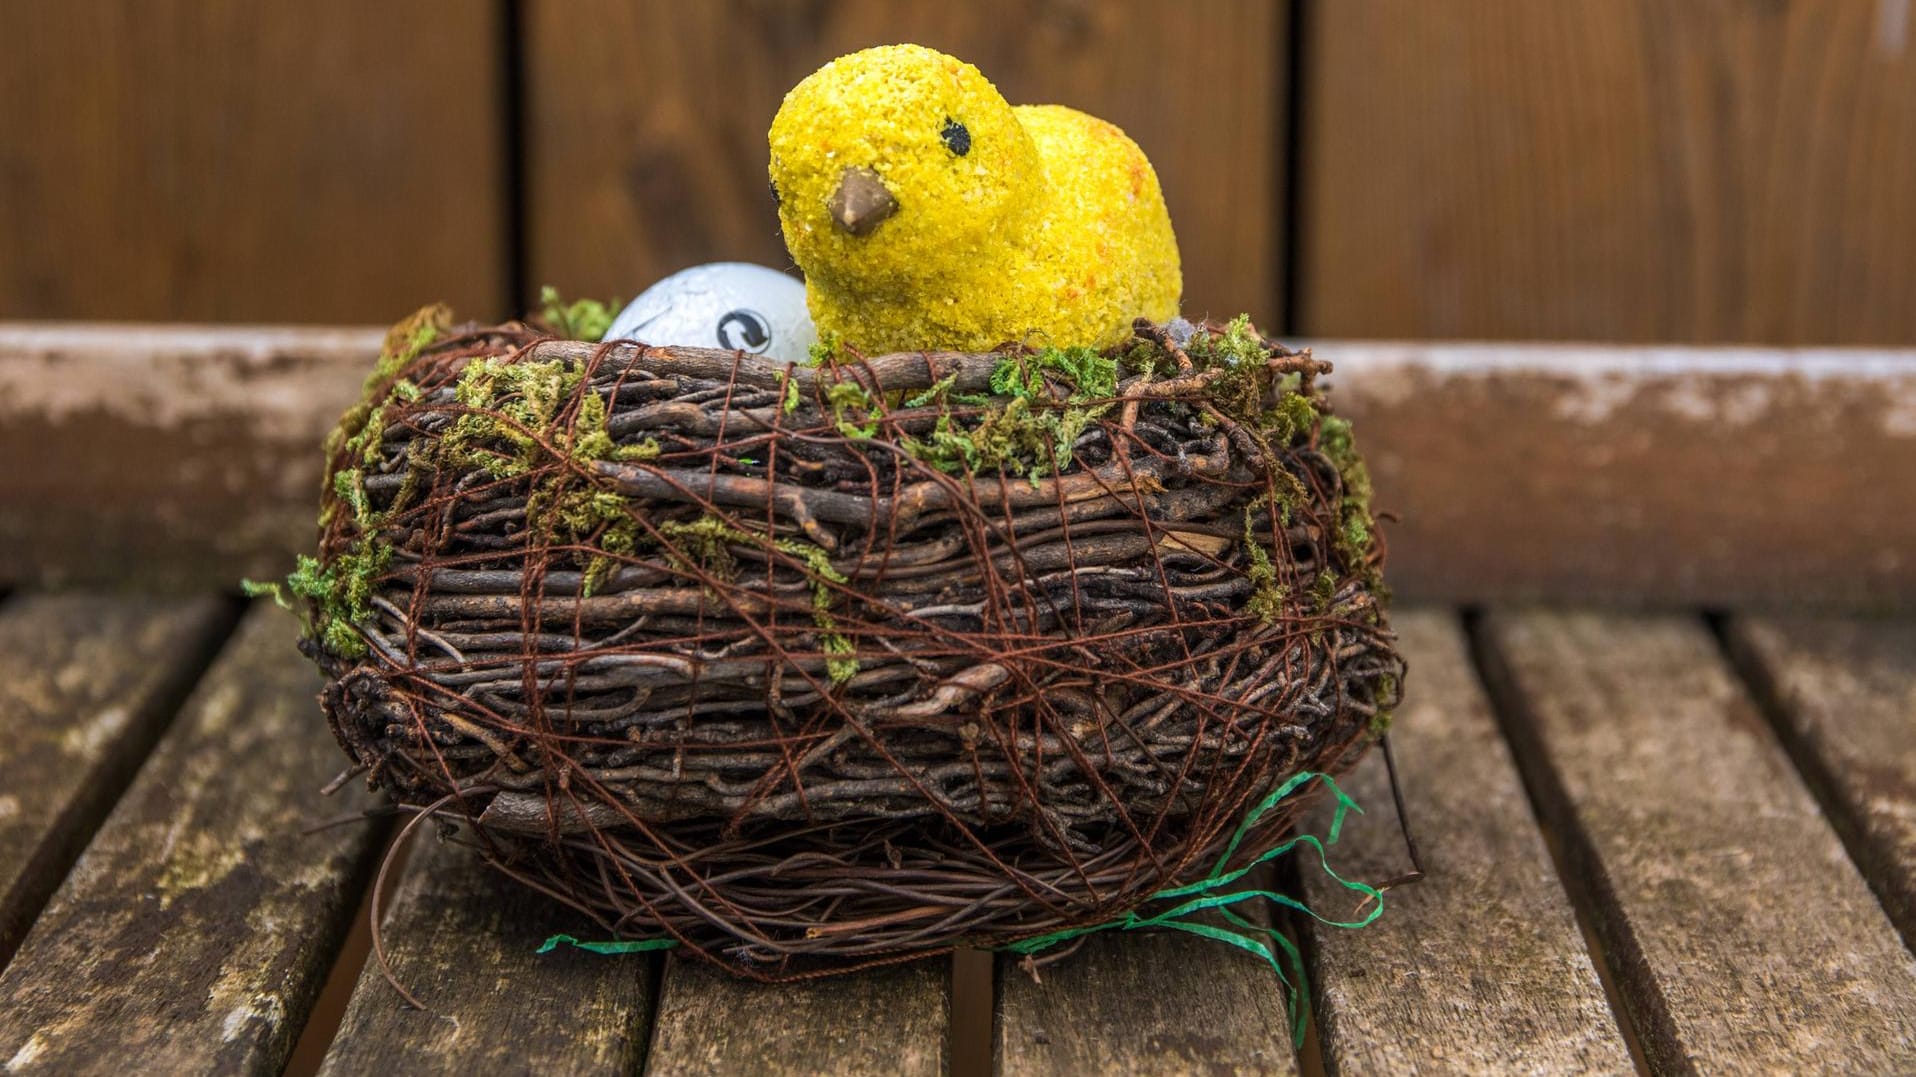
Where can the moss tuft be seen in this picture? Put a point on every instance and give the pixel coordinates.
(581, 319)
(1268, 596)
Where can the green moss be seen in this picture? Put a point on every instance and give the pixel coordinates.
(1238, 344)
(1387, 688)
(824, 350)
(1025, 430)
(583, 319)
(1324, 589)
(1016, 438)
(1352, 540)
(359, 430)
(1268, 596)
(1091, 374)
(938, 392)
(847, 397)
(707, 544)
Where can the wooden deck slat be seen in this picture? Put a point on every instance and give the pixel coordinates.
(1741, 935)
(1143, 1003)
(1845, 691)
(888, 1022)
(86, 685)
(463, 938)
(196, 929)
(1479, 968)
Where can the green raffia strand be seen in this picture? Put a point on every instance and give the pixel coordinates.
(614, 946)
(1206, 893)
(1209, 893)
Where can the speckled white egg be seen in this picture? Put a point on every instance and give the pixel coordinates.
(730, 305)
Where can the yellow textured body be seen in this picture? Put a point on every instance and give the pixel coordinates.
(1050, 227)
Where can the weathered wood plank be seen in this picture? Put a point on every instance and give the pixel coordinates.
(1648, 476)
(1143, 1003)
(646, 121)
(1582, 169)
(1739, 931)
(194, 932)
(87, 684)
(463, 938)
(1844, 695)
(1651, 476)
(889, 1021)
(1479, 968)
(224, 160)
(178, 457)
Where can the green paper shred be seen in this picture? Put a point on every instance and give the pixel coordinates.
(1211, 892)
(609, 946)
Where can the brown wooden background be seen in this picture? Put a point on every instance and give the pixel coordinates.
(1677, 170)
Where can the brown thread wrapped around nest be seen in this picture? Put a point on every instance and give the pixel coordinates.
(822, 667)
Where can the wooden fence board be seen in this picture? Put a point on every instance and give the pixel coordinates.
(1582, 169)
(1479, 968)
(231, 161)
(196, 929)
(647, 121)
(1740, 934)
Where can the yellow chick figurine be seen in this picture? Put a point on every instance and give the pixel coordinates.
(926, 212)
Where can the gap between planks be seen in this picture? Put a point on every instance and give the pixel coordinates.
(88, 685)
(1739, 931)
(194, 932)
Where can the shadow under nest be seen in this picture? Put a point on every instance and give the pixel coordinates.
(813, 668)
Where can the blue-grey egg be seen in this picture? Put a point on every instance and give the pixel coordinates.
(729, 305)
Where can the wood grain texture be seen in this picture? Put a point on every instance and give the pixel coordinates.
(194, 932)
(175, 457)
(1740, 934)
(1479, 968)
(1843, 693)
(223, 160)
(1143, 1003)
(647, 121)
(1723, 477)
(464, 939)
(883, 1023)
(87, 684)
(1734, 171)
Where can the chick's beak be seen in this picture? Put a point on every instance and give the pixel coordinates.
(861, 203)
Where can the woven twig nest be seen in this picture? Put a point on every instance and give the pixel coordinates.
(818, 667)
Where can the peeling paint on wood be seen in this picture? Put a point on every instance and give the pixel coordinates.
(166, 457)
(1647, 476)
(1652, 476)
(1479, 968)
(195, 931)
(1741, 935)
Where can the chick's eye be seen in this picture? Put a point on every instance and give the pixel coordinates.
(957, 137)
